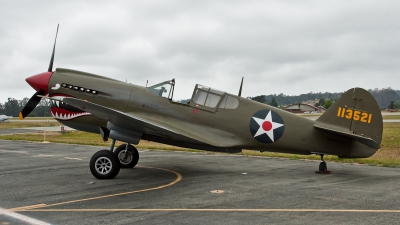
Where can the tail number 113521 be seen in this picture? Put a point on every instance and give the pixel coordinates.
(354, 114)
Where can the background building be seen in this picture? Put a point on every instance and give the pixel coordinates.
(304, 108)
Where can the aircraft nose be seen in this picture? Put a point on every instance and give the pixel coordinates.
(40, 81)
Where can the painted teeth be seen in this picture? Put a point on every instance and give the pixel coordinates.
(57, 103)
(66, 116)
(69, 116)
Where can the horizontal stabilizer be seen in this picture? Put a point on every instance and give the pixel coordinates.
(346, 133)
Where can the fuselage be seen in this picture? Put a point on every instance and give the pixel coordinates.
(232, 127)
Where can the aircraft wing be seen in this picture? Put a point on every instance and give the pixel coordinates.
(168, 128)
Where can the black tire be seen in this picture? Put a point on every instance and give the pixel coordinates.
(323, 167)
(104, 164)
(131, 160)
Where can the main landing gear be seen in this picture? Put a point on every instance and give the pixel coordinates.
(105, 164)
(323, 168)
(128, 155)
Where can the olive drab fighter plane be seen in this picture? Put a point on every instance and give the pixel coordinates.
(212, 120)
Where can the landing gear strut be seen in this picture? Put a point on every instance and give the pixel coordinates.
(323, 168)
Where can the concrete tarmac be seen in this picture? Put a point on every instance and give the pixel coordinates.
(51, 183)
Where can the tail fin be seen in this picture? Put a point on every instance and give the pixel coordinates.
(355, 114)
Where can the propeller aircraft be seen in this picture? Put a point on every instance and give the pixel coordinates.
(212, 120)
(4, 118)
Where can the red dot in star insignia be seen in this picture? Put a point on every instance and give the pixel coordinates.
(267, 126)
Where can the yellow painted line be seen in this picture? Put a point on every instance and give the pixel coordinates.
(29, 207)
(219, 210)
(178, 178)
(21, 152)
(71, 158)
(43, 155)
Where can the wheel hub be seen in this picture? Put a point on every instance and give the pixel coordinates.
(125, 157)
(103, 165)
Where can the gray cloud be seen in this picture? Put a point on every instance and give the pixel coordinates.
(286, 47)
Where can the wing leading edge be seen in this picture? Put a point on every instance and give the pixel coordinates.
(172, 129)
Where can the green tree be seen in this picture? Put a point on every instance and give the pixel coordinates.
(11, 107)
(385, 96)
(273, 102)
(23, 102)
(328, 104)
(42, 109)
(260, 98)
(1, 109)
(391, 105)
(32, 114)
(321, 102)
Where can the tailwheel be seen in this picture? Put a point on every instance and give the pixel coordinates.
(104, 164)
(128, 155)
(323, 168)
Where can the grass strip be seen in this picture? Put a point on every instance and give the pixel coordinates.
(391, 117)
(387, 156)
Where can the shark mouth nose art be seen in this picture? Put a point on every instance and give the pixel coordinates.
(63, 111)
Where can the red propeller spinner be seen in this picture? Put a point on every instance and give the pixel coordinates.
(39, 81)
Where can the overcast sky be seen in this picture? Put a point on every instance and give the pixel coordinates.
(282, 46)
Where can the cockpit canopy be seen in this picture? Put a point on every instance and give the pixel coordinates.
(203, 97)
(164, 89)
(213, 99)
(207, 96)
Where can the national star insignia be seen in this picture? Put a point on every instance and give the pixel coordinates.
(267, 126)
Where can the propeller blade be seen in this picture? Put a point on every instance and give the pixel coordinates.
(240, 90)
(32, 103)
(54, 49)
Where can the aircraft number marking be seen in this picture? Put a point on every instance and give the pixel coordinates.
(354, 114)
